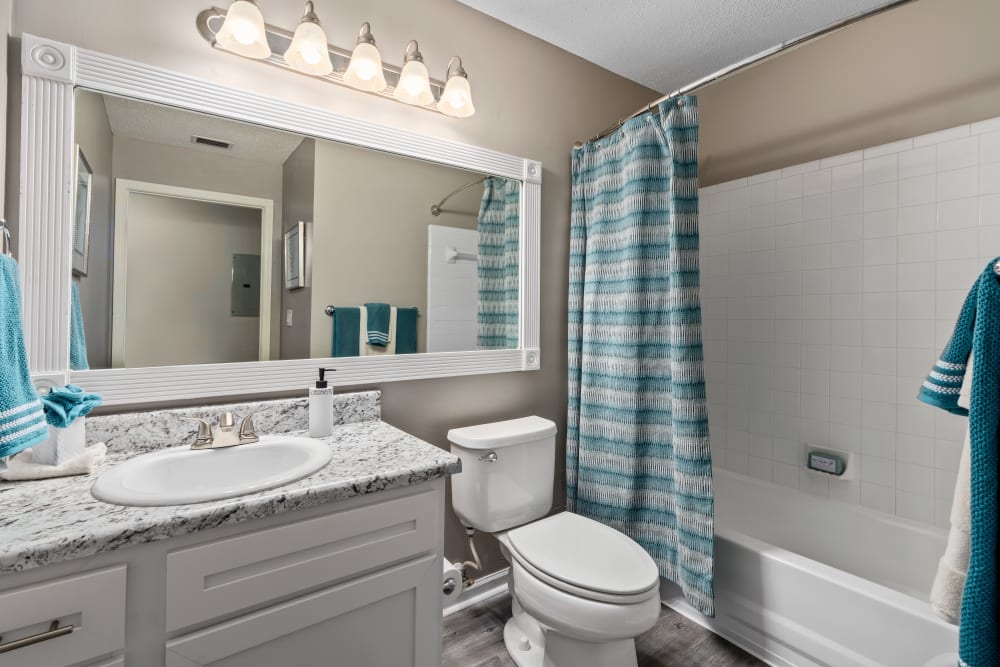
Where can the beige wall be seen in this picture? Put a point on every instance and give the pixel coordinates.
(926, 66)
(532, 100)
(297, 193)
(370, 231)
(6, 19)
(93, 134)
(179, 311)
(183, 167)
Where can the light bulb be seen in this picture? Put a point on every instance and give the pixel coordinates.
(243, 31)
(414, 86)
(309, 52)
(365, 70)
(456, 99)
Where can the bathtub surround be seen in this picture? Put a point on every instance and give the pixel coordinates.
(637, 442)
(828, 288)
(59, 519)
(977, 333)
(498, 264)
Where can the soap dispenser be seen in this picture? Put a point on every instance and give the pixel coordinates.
(321, 407)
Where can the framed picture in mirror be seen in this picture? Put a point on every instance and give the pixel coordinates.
(81, 214)
(296, 247)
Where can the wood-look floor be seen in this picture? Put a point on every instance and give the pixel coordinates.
(473, 637)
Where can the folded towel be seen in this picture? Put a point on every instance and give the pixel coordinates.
(77, 337)
(977, 333)
(65, 404)
(946, 593)
(346, 341)
(406, 330)
(23, 467)
(368, 350)
(378, 324)
(22, 421)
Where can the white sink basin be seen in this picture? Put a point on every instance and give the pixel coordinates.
(182, 475)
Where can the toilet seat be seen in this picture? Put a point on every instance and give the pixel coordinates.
(584, 558)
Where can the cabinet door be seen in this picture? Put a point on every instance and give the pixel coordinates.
(391, 618)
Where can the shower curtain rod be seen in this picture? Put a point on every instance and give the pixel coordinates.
(436, 209)
(747, 62)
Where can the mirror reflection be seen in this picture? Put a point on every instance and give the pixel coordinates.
(199, 239)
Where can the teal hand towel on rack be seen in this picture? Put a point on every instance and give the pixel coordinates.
(22, 421)
(346, 335)
(77, 337)
(378, 323)
(977, 333)
(406, 330)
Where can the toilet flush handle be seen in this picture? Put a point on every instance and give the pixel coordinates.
(489, 458)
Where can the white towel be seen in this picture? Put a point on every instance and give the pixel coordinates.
(374, 350)
(946, 593)
(22, 467)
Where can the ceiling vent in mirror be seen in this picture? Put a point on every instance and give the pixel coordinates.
(213, 143)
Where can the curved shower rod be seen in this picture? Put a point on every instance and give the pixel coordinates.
(436, 209)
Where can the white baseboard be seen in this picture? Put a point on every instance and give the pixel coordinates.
(484, 588)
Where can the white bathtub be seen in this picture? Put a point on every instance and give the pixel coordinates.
(804, 581)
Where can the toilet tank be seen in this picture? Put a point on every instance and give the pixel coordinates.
(508, 469)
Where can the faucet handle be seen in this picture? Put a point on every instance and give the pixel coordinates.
(248, 433)
(204, 436)
(227, 421)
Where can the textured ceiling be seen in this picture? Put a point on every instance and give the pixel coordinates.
(665, 44)
(174, 127)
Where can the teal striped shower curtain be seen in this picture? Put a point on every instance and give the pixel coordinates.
(499, 264)
(637, 453)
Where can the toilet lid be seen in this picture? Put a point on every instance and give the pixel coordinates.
(586, 554)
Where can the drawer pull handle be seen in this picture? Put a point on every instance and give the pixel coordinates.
(53, 632)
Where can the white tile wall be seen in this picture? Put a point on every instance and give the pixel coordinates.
(828, 290)
(452, 291)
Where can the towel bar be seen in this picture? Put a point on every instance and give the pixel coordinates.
(329, 310)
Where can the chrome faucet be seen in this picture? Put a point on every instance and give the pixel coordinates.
(226, 434)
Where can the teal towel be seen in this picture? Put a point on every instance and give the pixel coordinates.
(346, 336)
(977, 333)
(22, 420)
(406, 330)
(77, 337)
(64, 404)
(378, 323)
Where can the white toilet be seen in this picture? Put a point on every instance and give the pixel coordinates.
(581, 590)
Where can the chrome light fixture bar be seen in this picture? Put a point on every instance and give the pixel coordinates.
(279, 41)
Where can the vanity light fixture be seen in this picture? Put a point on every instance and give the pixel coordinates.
(365, 70)
(309, 51)
(414, 86)
(456, 100)
(243, 30)
(306, 50)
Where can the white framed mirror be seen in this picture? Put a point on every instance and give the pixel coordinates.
(417, 257)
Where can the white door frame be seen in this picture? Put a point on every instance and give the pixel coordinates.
(124, 188)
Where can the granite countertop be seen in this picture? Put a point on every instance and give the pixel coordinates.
(48, 521)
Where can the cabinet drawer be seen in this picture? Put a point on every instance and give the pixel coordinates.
(94, 603)
(211, 580)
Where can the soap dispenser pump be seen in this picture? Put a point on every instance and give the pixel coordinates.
(321, 406)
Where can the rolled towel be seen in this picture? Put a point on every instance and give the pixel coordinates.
(64, 404)
(22, 467)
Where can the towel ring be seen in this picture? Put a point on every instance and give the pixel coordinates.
(6, 242)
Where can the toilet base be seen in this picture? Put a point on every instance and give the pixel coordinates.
(531, 645)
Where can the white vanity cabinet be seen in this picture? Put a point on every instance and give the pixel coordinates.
(355, 583)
